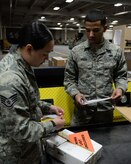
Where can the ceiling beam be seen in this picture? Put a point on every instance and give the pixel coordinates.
(128, 2)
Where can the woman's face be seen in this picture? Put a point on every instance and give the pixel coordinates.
(37, 57)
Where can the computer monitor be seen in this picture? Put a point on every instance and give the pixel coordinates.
(49, 76)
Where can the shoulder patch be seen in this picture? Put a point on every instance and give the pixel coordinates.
(8, 101)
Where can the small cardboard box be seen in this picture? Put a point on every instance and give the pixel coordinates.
(69, 153)
(59, 61)
(125, 111)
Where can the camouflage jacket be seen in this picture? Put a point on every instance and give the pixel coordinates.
(20, 112)
(92, 72)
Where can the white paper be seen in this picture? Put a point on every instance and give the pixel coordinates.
(50, 116)
(96, 100)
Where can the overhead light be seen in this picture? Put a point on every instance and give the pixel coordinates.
(56, 8)
(74, 22)
(69, 1)
(111, 26)
(56, 28)
(122, 13)
(114, 22)
(83, 16)
(42, 17)
(58, 23)
(118, 4)
(77, 24)
(72, 19)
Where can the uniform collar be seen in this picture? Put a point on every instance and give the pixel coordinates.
(23, 63)
(105, 45)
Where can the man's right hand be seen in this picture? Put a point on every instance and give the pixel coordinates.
(80, 98)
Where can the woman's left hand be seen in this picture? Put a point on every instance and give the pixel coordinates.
(57, 110)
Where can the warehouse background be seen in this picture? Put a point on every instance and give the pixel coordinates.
(63, 17)
(65, 20)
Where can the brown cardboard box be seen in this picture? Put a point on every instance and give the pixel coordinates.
(59, 61)
(125, 111)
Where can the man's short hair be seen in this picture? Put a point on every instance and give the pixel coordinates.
(96, 15)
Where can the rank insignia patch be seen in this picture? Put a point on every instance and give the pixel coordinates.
(8, 101)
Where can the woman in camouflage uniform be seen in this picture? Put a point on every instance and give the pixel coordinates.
(21, 130)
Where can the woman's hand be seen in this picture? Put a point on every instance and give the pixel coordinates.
(57, 110)
(59, 122)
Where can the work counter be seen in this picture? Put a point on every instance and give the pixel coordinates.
(115, 139)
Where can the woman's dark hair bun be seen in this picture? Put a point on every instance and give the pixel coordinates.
(36, 33)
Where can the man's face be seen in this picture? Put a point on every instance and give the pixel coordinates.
(94, 31)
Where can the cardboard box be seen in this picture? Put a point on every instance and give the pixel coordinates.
(59, 61)
(125, 111)
(69, 153)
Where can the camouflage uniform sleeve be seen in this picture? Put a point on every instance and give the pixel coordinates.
(4, 63)
(71, 76)
(44, 106)
(120, 73)
(18, 119)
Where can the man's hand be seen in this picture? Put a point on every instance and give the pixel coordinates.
(117, 94)
(80, 98)
(57, 110)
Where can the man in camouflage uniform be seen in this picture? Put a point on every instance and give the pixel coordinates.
(91, 69)
(21, 129)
